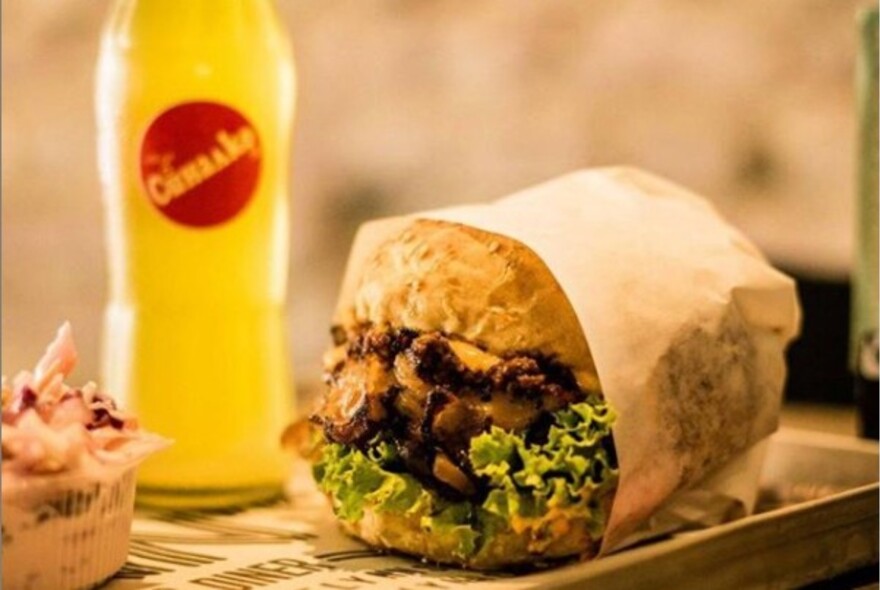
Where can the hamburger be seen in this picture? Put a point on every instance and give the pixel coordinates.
(463, 419)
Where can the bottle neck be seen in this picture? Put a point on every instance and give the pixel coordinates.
(176, 22)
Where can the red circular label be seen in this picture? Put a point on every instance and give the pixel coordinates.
(200, 162)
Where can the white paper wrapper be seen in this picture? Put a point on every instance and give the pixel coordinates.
(686, 321)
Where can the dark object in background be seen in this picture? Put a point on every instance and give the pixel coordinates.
(818, 368)
(866, 386)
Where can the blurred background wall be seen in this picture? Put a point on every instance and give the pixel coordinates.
(421, 103)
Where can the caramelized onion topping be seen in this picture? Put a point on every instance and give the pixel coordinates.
(431, 394)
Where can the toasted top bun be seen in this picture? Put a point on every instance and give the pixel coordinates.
(480, 286)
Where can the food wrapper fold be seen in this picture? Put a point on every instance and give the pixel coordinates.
(686, 322)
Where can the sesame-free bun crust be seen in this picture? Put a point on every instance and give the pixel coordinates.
(483, 287)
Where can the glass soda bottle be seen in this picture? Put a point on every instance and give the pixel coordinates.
(194, 103)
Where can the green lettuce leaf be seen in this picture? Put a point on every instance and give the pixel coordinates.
(530, 484)
(570, 472)
(355, 480)
(454, 521)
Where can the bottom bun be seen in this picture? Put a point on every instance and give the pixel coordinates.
(404, 533)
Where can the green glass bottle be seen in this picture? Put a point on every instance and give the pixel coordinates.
(865, 296)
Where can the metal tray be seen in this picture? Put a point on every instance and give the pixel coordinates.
(817, 517)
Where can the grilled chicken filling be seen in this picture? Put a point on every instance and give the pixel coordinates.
(431, 394)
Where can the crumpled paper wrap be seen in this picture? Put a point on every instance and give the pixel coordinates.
(687, 324)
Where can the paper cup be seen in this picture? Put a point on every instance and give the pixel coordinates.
(65, 532)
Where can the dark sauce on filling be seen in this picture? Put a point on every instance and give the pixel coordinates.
(455, 407)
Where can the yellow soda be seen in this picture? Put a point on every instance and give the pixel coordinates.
(194, 103)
